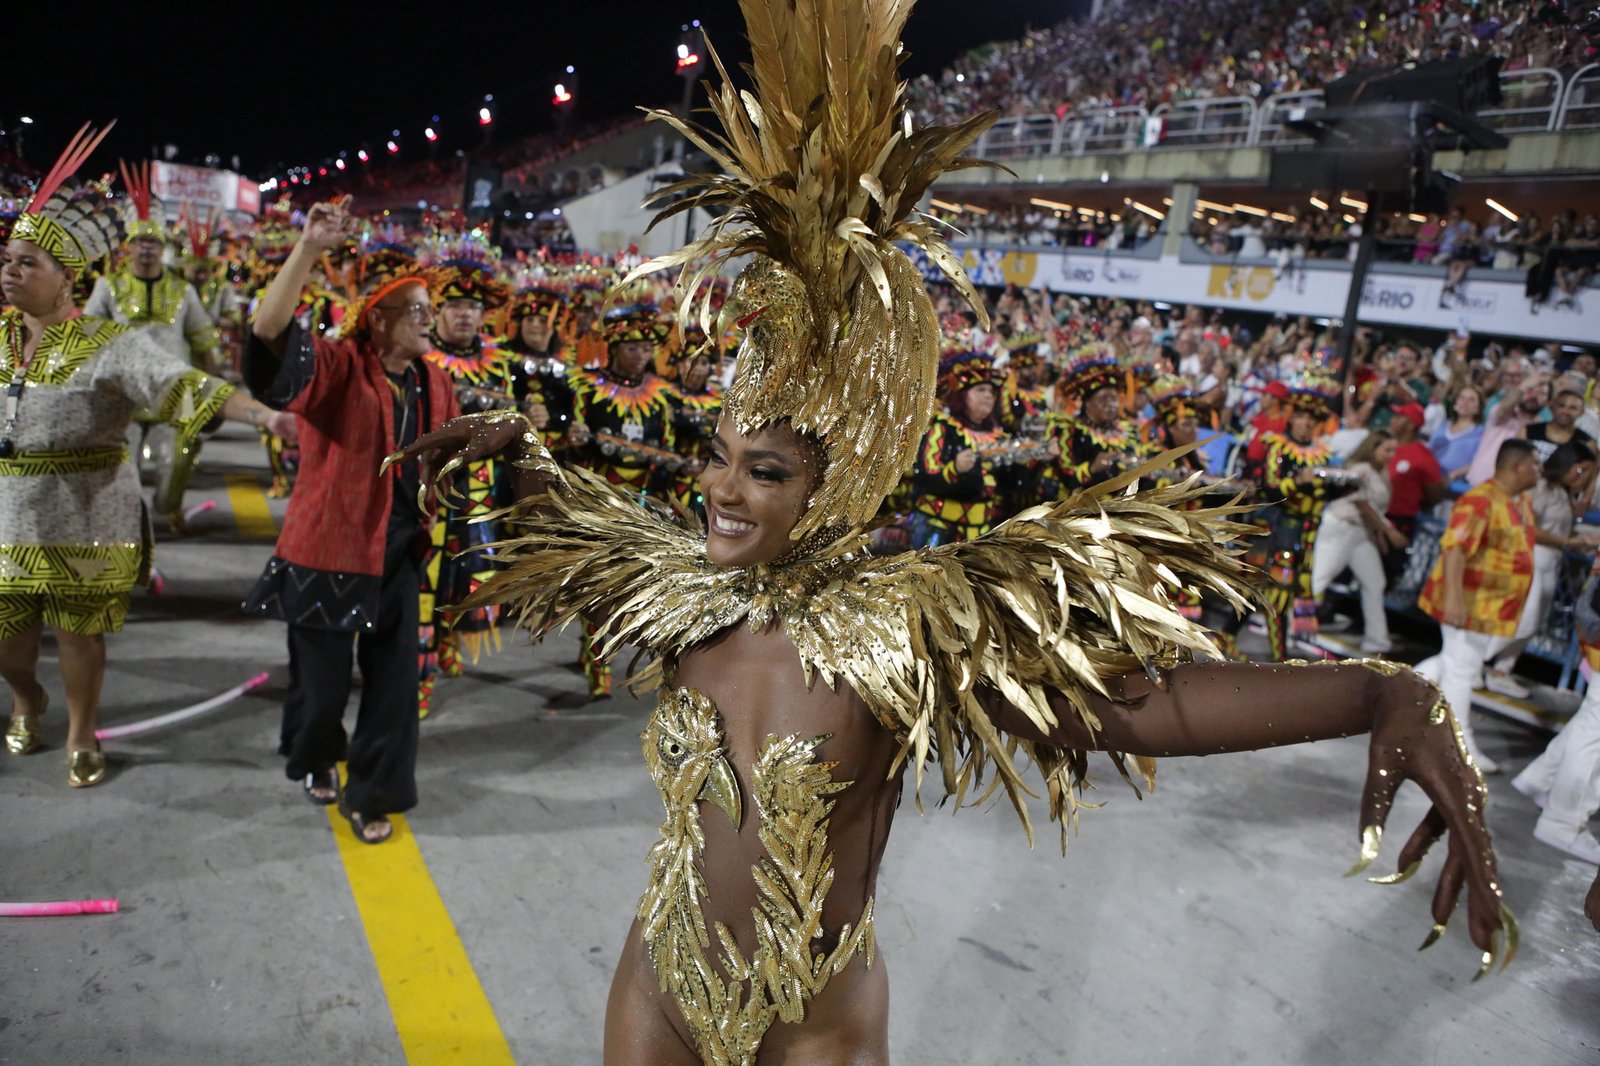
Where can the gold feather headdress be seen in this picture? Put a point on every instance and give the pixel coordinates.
(822, 175)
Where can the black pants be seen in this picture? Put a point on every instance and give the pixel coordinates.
(382, 753)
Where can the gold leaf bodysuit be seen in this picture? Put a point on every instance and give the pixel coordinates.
(727, 1016)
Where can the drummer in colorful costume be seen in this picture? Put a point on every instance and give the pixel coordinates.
(622, 428)
(1098, 442)
(485, 378)
(1292, 472)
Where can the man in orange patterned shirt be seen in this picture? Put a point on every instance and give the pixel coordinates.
(1484, 571)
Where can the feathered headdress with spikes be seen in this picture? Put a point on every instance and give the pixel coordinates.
(74, 229)
(147, 215)
(822, 174)
(199, 234)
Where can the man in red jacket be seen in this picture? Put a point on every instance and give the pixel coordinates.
(1416, 480)
(345, 571)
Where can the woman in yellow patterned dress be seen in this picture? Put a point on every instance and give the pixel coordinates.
(74, 538)
(803, 677)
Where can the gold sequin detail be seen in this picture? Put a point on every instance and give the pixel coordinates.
(1035, 612)
(729, 1000)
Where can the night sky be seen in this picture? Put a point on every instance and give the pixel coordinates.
(293, 84)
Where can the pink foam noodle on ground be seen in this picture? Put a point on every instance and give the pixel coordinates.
(161, 721)
(60, 907)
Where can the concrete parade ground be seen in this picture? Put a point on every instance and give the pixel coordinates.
(1206, 924)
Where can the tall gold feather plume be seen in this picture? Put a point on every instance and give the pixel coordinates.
(822, 174)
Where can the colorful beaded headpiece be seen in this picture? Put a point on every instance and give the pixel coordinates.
(1090, 369)
(965, 370)
(73, 229)
(636, 322)
(1172, 397)
(1314, 390)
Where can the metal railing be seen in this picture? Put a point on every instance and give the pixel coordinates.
(1029, 135)
(1580, 106)
(1104, 129)
(1531, 102)
(1207, 122)
(1274, 113)
(1535, 100)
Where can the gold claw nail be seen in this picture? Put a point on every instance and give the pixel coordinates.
(1398, 876)
(1433, 936)
(1513, 934)
(1488, 956)
(388, 461)
(1371, 837)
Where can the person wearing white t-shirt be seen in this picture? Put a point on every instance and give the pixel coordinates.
(1354, 532)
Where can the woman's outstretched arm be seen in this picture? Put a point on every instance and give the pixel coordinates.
(1210, 708)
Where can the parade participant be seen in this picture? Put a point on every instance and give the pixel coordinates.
(1565, 478)
(145, 293)
(953, 488)
(1098, 442)
(346, 568)
(697, 404)
(1025, 397)
(621, 428)
(1292, 472)
(485, 377)
(209, 277)
(1175, 422)
(538, 325)
(1356, 533)
(73, 539)
(802, 676)
(1565, 779)
(1478, 583)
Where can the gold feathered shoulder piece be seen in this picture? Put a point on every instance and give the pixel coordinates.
(820, 177)
(1049, 602)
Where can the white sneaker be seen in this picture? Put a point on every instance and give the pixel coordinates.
(1580, 843)
(1504, 685)
(1376, 647)
(1525, 785)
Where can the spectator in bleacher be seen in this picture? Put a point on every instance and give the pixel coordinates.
(1478, 583)
(1428, 236)
(1577, 262)
(1455, 442)
(1355, 533)
(1565, 410)
(1466, 252)
(1506, 420)
(1564, 481)
(1415, 478)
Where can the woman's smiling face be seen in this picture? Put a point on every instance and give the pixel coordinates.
(756, 488)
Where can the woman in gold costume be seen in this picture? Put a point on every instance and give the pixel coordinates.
(802, 679)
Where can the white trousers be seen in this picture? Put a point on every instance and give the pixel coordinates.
(1503, 651)
(1567, 775)
(1455, 670)
(1341, 544)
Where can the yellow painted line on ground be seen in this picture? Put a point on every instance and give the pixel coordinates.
(248, 500)
(439, 1008)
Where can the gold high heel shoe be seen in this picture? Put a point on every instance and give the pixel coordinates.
(85, 767)
(23, 735)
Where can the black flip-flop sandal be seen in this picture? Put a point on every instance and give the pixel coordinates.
(358, 825)
(325, 779)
